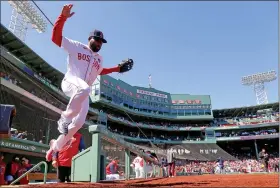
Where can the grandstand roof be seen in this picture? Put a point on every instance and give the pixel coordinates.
(227, 112)
(20, 50)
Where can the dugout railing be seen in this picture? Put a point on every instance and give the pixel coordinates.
(30, 170)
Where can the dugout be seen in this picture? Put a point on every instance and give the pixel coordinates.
(89, 165)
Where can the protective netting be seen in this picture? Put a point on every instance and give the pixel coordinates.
(30, 123)
(116, 153)
(37, 107)
(195, 152)
(208, 151)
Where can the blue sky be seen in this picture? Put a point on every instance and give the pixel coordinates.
(188, 47)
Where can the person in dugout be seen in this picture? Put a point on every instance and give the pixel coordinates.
(2, 169)
(62, 160)
(24, 167)
(154, 156)
(112, 167)
(12, 169)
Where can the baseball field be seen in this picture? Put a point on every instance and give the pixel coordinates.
(205, 181)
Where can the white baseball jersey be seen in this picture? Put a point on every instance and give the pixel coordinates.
(81, 61)
(138, 162)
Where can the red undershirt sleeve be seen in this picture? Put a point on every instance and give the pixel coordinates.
(57, 30)
(110, 70)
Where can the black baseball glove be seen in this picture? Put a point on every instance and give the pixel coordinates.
(126, 65)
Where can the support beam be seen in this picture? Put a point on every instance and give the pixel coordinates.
(95, 153)
(10, 42)
(24, 55)
(127, 164)
(256, 149)
(16, 50)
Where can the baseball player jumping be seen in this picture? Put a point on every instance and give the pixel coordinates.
(84, 65)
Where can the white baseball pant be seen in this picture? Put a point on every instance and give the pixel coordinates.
(77, 108)
(142, 172)
(139, 172)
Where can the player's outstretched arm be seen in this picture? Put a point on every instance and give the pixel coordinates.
(110, 70)
(124, 66)
(59, 24)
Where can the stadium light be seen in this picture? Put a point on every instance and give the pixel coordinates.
(150, 81)
(25, 13)
(258, 80)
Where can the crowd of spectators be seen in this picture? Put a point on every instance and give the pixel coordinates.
(154, 135)
(219, 122)
(250, 119)
(10, 78)
(247, 120)
(157, 124)
(263, 131)
(42, 94)
(24, 135)
(238, 166)
(157, 136)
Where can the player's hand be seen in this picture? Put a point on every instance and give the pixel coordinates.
(66, 10)
(54, 164)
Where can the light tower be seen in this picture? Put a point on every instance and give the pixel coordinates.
(258, 80)
(23, 14)
(150, 81)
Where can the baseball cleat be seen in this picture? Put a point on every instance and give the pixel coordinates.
(63, 126)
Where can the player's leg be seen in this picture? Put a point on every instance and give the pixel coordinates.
(61, 174)
(68, 178)
(173, 169)
(76, 124)
(169, 170)
(141, 172)
(78, 91)
(137, 172)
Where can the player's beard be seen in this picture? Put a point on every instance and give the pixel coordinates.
(94, 47)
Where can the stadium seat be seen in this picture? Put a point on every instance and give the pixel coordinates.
(7, 113)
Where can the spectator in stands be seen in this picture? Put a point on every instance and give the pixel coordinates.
(12, 169)
(62, 160)
(22, 135)
(263, 155)
(14, 133)
(171, 162)
(2, 170)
